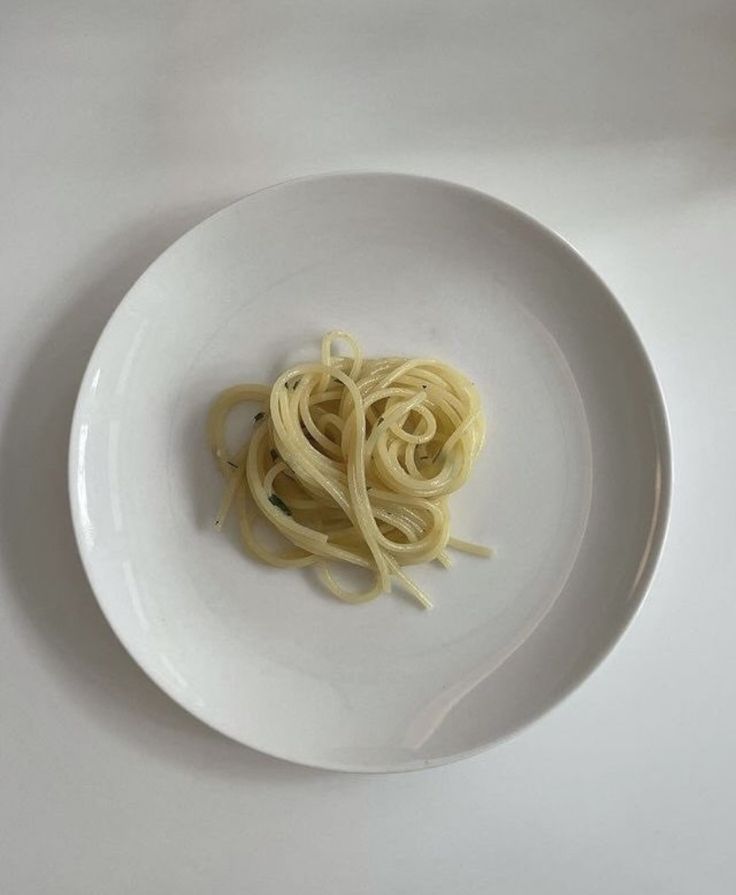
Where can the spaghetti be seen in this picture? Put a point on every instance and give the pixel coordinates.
(352, 459)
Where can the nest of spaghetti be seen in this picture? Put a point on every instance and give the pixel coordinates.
(352, 460)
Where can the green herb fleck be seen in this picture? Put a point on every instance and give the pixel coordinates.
(232, 465)
(259, 416)
(274, 455)
(277, 502)
(380, 420)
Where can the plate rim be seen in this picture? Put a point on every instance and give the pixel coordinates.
(659, 533)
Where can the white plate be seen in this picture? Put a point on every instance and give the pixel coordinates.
(572, 488)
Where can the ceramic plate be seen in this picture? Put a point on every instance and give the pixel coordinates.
(571, 490)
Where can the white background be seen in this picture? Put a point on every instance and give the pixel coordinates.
(122, 125)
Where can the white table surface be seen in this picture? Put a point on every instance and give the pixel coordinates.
(123, 124)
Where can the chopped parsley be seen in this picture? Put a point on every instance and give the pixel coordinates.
(277, 502)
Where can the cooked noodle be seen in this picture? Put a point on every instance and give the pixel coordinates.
(352, 459)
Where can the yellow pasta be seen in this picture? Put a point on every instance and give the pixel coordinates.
(352, 460)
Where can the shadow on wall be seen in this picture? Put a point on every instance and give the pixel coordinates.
(37, 540)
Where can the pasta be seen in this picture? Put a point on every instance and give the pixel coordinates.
(352, 460)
